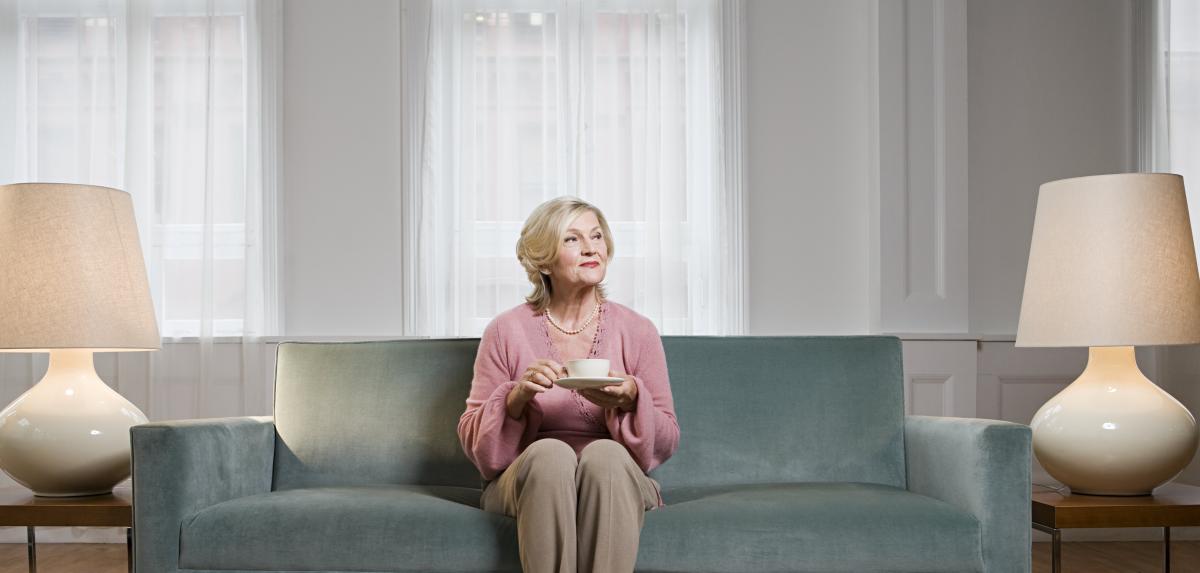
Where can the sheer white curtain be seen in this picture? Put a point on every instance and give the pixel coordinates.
(164, 99)
(1171, 131)
(1183, 97)
(626, 104)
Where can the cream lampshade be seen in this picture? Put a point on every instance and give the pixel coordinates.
(72, 282)
(1112, 266)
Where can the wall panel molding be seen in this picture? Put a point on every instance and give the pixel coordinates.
(919, 265)
(939, 378)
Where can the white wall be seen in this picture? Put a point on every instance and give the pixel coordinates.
(807, 149)
(1049, 97)
(341, 168)
(808, 162)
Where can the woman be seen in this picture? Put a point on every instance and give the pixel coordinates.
(570, 466)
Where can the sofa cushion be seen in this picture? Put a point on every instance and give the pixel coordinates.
(359, 528)
(750, 410)
(786, 410)
(372, 412)
(808, 527)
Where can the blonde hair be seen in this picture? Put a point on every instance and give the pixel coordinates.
(537, 249)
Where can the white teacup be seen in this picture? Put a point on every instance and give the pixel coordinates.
(588, 368)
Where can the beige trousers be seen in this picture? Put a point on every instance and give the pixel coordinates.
(574, 513)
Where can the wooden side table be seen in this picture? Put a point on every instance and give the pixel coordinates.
(1172, 505)
(19, 507)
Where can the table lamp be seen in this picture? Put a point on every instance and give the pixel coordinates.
(72, 282)
(1112, 266)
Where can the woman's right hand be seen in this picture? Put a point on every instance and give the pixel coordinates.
(537, 378)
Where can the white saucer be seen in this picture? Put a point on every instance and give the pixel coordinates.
(579, 383)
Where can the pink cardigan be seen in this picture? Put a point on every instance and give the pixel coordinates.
(516, 338)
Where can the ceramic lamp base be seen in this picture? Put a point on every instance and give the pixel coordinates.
(69, 434)
(1113, 431)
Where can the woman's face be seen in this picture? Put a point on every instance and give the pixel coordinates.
(582, 255)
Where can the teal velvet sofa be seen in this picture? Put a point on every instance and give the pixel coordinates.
(795, 455)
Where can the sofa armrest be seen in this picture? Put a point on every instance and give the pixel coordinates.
(981, 466)
(183, 466)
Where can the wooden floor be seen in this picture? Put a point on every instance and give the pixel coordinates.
(65, 558)
(1080, 557)
(1119, 557)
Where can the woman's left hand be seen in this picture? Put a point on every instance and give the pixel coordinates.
(623, 395)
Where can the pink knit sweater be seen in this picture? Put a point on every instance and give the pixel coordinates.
(516, 338)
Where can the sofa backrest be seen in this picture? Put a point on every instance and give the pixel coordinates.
(750, 410)
(786, 409)
(372, 412)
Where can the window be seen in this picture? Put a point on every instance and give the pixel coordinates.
(157, 98)
(199, 75)
(615, 102)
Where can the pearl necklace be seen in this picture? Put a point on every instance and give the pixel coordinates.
(586, 323)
